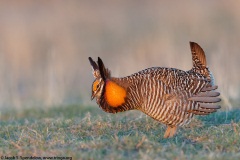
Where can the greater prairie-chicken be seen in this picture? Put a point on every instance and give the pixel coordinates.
(168, 95)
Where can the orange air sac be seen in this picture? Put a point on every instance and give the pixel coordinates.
(115, 95)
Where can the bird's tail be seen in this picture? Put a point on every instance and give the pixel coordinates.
(200, 62)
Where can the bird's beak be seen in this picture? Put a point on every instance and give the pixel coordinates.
(93, 95)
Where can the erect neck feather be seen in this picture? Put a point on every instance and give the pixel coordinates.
(115, 94)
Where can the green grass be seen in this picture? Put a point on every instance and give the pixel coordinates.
(84, 132)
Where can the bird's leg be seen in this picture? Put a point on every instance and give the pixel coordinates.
(170, 131)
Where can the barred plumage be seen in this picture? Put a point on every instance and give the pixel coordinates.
(168, 95)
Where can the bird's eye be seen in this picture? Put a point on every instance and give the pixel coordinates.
(98, 86)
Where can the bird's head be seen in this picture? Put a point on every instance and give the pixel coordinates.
(100, 74)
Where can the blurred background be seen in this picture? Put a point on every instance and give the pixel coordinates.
(45, 45)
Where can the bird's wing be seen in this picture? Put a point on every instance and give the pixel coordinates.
(181, 105)
(206, 101)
